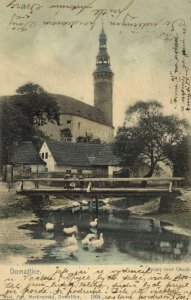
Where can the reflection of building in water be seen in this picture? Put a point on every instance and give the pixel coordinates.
(158, 249)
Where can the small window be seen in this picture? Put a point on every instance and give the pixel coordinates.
(46, 155)
(42, 155)
(69, 121)
(79, 125)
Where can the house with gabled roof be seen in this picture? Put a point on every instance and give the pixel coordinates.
(106, 162)
(25, 158)
(92, 159)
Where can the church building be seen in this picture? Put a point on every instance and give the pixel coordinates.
(81, 120)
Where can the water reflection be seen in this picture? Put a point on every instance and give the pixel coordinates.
(129, 239)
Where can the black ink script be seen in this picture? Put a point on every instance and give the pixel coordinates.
(24, 6)
(21, 23)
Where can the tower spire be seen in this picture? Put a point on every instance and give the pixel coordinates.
(103, 79)
(103, 58)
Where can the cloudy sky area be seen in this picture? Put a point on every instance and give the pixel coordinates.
(62, 59)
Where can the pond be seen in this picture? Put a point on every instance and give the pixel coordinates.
(126, 238)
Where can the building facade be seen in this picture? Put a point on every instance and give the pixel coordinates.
(81, 119)
(91, 159)
(103, 80)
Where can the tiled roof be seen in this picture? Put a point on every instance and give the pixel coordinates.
(69, 105)
(25, 153)
(81, 154)
(106, 157)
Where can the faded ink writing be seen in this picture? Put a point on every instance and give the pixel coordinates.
(120, 283)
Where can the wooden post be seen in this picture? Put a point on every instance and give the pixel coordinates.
(36, 184)
(170, 187)
(97, 207)
(89, 187)
(12, 173)
(22, 182)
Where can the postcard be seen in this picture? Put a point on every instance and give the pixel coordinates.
(95, 157)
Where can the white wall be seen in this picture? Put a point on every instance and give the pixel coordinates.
(38, 168)
(112, 169)
(79, 127)
(50, 162)
(74, 170)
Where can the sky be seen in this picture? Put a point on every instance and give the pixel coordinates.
(62, 59)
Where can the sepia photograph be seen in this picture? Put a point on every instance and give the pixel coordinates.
(95, 149)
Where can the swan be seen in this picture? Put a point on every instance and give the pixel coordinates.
(49, 226)
(94, 223)
(70, 230)
(72, 240)
(72, 249)
(97, 244)
(87, 240)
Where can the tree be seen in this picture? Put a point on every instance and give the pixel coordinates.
(30, 88)
(66, 134)
(180, 155)
(35, 103)
(23, 114)
(88, 138)
(147, 135)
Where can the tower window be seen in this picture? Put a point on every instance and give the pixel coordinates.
(79, 125)
(69, 121)
(46, 155)
(42, 155)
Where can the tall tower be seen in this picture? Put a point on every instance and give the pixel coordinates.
(103, 80)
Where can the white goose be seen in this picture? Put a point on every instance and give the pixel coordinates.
(72, 240)
(91, 236)
(97, 244)
(84, 205)
(75, 206)
(70, 230)
(106, 200)
(94, 223)
(49, 226)
(72, 249)
(87, 240)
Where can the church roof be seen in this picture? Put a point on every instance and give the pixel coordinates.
(82, 154)
(72, 106)
(69, 105)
